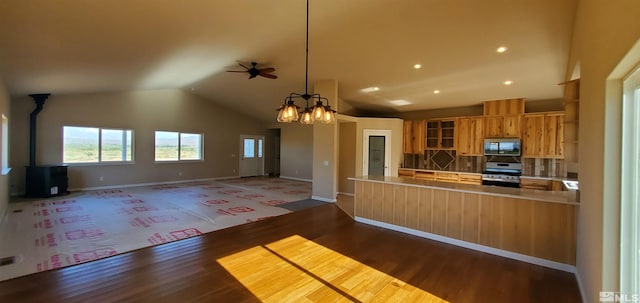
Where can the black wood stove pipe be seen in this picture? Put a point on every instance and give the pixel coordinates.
(39, 99)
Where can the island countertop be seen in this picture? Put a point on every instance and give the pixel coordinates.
(564, 197)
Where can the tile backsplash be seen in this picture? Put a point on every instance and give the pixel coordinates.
(543, 167)
(447, 160)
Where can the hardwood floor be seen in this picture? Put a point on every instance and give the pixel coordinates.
(190, 270)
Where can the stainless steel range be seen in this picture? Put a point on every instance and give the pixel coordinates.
(502, 174)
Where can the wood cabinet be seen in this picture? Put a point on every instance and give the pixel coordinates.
(443, 176)
(504, 107)
(511, 126)
(425, 175)
(553, 135)
(413, 136)
(446, 176)
(470, 134)
(409, 173)
(465, 178)
(539, 184)
(502, 126)
(539, 229)
(543, 135)
(407, 137)
(440, 134)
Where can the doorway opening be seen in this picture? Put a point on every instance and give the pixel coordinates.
(376, 150)
(272, 153)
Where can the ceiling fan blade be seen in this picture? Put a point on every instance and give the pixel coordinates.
(270, 76)
(267, 70)
(252, 76)
(236, 71)
(242, 65)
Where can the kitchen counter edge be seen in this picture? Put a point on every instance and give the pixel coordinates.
(563, 197)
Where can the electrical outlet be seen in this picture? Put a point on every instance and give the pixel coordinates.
(101, 178)
(180, 174)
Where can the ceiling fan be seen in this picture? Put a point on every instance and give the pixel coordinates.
(253, 71)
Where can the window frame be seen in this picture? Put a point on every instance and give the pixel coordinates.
(179, 145)
(100, 161)
(629, 177)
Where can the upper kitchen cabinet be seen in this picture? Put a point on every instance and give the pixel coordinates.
(504, 107)
(543, 135)
(441, 134)
(470, 136)
(503, 118)
(554, 135)
(508, 126)
(533, 136)
(413, 136)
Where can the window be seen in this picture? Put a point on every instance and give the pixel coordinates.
(249, 148)
(630, 195)
(176, 146)
(95, 145)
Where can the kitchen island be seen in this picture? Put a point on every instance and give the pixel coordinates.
(529, 225)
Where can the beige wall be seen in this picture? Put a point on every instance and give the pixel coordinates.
(296, 151)
(325, 161)
(347, 157)
(475, 110)
(4, 179)
(142, 111)
(604, 32)
(395, 125)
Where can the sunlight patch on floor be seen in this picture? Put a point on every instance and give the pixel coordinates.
(295, 269)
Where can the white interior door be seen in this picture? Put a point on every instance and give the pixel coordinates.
(251, 156)
(376, 152)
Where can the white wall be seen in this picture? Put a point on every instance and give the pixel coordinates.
(144, 112)
(395, 125)
(4, 179)
(604, 32)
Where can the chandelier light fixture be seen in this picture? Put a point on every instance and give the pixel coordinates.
(288, 112)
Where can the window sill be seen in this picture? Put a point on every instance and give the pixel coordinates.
(100, 164)
(5, 171)
(177, 161)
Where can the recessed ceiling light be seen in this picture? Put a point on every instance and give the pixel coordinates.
(370, 89)
(501, 49)
(417, 66)
(436, 91)
(508, 82)
(400, 102)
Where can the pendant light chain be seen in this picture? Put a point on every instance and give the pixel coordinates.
(288, 112)
(306, 64)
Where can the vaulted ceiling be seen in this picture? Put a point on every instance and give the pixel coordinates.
(77, 46)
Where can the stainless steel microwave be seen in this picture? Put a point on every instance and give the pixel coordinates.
(502, 147)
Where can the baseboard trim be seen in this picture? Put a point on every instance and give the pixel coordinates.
(295, 179)
(474, 246)
(580, 287)
(347, 194)
(324, 199)
(149, 184)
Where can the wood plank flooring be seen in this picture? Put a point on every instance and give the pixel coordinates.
(190, 270)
